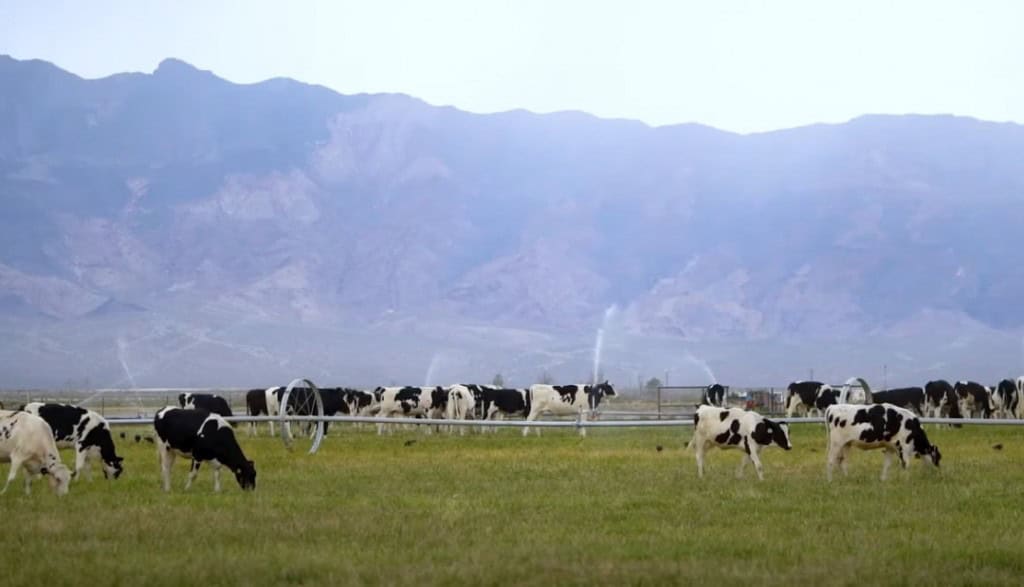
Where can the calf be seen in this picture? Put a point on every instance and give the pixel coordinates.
(83, 430)
(565, 400)
(26, 441)
(733, 428)
(809, 395)
(713, 395)
(201, 436)
(205, 401)
(1006, 400)
(410, 402)
(911, 398)
(890, 428)
(974, 399)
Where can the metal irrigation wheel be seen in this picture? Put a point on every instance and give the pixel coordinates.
(302, 398)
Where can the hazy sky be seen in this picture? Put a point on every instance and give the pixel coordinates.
(742, 66)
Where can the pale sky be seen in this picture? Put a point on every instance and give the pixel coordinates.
(744, 66)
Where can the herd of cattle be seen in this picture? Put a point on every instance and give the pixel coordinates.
(197, 430)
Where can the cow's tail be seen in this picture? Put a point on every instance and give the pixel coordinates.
(529, 401)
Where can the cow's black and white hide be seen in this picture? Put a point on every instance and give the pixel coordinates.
(713, 395)
(891, 428)
(734, 428)
(205, 401)
(974, 399)
(911, 398)
(256, 405)
(200, 436)
(410, 402)
(808, 396)
(26, 442)
(1006, 400)
(566, 400)
(83, 430)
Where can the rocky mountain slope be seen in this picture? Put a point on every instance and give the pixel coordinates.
(280, 226)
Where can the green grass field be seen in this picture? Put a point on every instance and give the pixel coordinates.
(555, 510)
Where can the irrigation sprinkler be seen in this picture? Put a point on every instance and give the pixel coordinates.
(308, 404)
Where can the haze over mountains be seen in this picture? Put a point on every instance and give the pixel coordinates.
(178, 229)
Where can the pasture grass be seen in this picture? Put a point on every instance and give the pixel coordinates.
(555, 510)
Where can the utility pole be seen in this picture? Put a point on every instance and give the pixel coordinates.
(666, 378)
(885, 376)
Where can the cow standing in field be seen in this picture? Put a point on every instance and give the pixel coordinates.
(26, 442)
(205, 401)
(410, 402)
(461, 405)
(911, 398)
(83, 430)
(360, 403)
(1006, 400)
(891, 428)
(809, 395)
(733, 428)
(974, 399)
(498, 403)
(566, 400)
(200, 436)
(713, 395)
(256, 405)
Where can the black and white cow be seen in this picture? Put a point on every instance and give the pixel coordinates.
(734, 428)
(891, 428)
(256, 405)
(461, 405)
(939, 400)
(205, 401)
(83, 430)
(26, 442)
(410, 402)
(1006, 400)
(360, 403)
(911, 398)
(500, 403)
(809, 395)
(974, 399)
(566, 400)
(713, 395)
(200, 436)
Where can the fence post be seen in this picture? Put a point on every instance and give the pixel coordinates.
(659, 402)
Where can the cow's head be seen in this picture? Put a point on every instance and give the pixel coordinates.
(181, 399)
(246, 475)
(112, 469)
(933, 455)
(605, 389)
(779, 434)
(59, 477)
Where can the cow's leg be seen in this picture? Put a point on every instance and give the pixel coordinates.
(743, 466)
(834, 455)
(81, 461)
(216, 476)
(15, 465)
(530, 418)
(699, 448)
(193, 472)
(886, 462)
(166, 460)
(755, 458)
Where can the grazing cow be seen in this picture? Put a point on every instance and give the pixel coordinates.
(461, 405)
(410, 402)
(734, 428)
(890, 428)
(26, 441)
(911, 398)
(83, 430)
(201, 436)
(205, 401)
(1006, 400)
(809, 395)
(713, 395)
(974, 399)
(565, 400)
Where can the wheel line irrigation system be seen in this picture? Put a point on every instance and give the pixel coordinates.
(319, 419)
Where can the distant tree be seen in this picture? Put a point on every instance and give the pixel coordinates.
(498, 380)
(652, 384)
(545, 378)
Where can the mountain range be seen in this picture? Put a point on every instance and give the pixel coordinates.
(175, 228)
